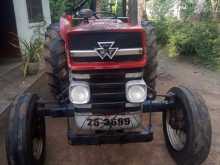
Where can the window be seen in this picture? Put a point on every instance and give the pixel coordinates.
(35, 11)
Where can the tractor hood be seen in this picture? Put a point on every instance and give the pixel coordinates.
(84, 40)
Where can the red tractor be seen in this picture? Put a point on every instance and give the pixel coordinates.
(102, 72)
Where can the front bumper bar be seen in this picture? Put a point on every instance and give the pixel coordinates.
(110, 138)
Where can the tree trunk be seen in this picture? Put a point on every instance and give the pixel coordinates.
(141, 9)
(124, 6)
(136, 11)
(215, 9)
(133, 11)
(199, 9)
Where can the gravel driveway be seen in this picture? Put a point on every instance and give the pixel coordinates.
(171, 72)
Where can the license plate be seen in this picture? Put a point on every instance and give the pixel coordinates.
(108, 122)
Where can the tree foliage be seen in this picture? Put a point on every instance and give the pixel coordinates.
(58, 7)
(184, 9)
(160, 8)
(193, 31)
(215, 8)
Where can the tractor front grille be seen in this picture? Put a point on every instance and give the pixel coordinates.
(83, 45)
(108, 89)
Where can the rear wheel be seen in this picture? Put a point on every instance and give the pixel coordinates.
(56, 64)
(150, 70)
(25, 143)
(187, 128)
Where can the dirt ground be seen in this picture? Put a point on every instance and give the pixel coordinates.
(171, 73)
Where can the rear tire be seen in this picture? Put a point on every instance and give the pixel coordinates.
(150, 70)
(56, 64)
(187, 128)
(26, 142)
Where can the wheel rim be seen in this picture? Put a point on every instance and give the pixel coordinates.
(177, 136)
(38, 139)
(37, 148)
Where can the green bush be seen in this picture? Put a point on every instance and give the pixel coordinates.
(200, 40)
(162, 31)
(180, 39)
(58, 7)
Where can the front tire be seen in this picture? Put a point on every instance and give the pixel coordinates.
(25, 143)
(187, 127)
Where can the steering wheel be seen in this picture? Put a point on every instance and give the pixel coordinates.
(104, 12)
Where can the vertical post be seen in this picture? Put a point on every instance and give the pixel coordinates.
(93, 5)
(124, 6)
(133, 11)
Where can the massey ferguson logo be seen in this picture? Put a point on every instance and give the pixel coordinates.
(106, 49)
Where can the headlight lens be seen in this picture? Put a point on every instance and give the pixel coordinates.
(79, 93)
(136, 91)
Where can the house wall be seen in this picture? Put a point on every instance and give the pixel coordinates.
(7, 30)
(25, 30)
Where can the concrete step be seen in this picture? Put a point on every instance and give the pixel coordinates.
(10, 74)
(12, 84)
(8, 64)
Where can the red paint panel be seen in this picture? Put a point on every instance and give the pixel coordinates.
(66, 29)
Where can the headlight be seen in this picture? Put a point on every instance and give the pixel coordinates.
(136, 91)
(79, 93)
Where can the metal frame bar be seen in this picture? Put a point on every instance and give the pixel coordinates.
(108, 137)
(56, 110)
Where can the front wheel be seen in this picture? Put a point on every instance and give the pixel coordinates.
(25, 143)
(187, 127)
